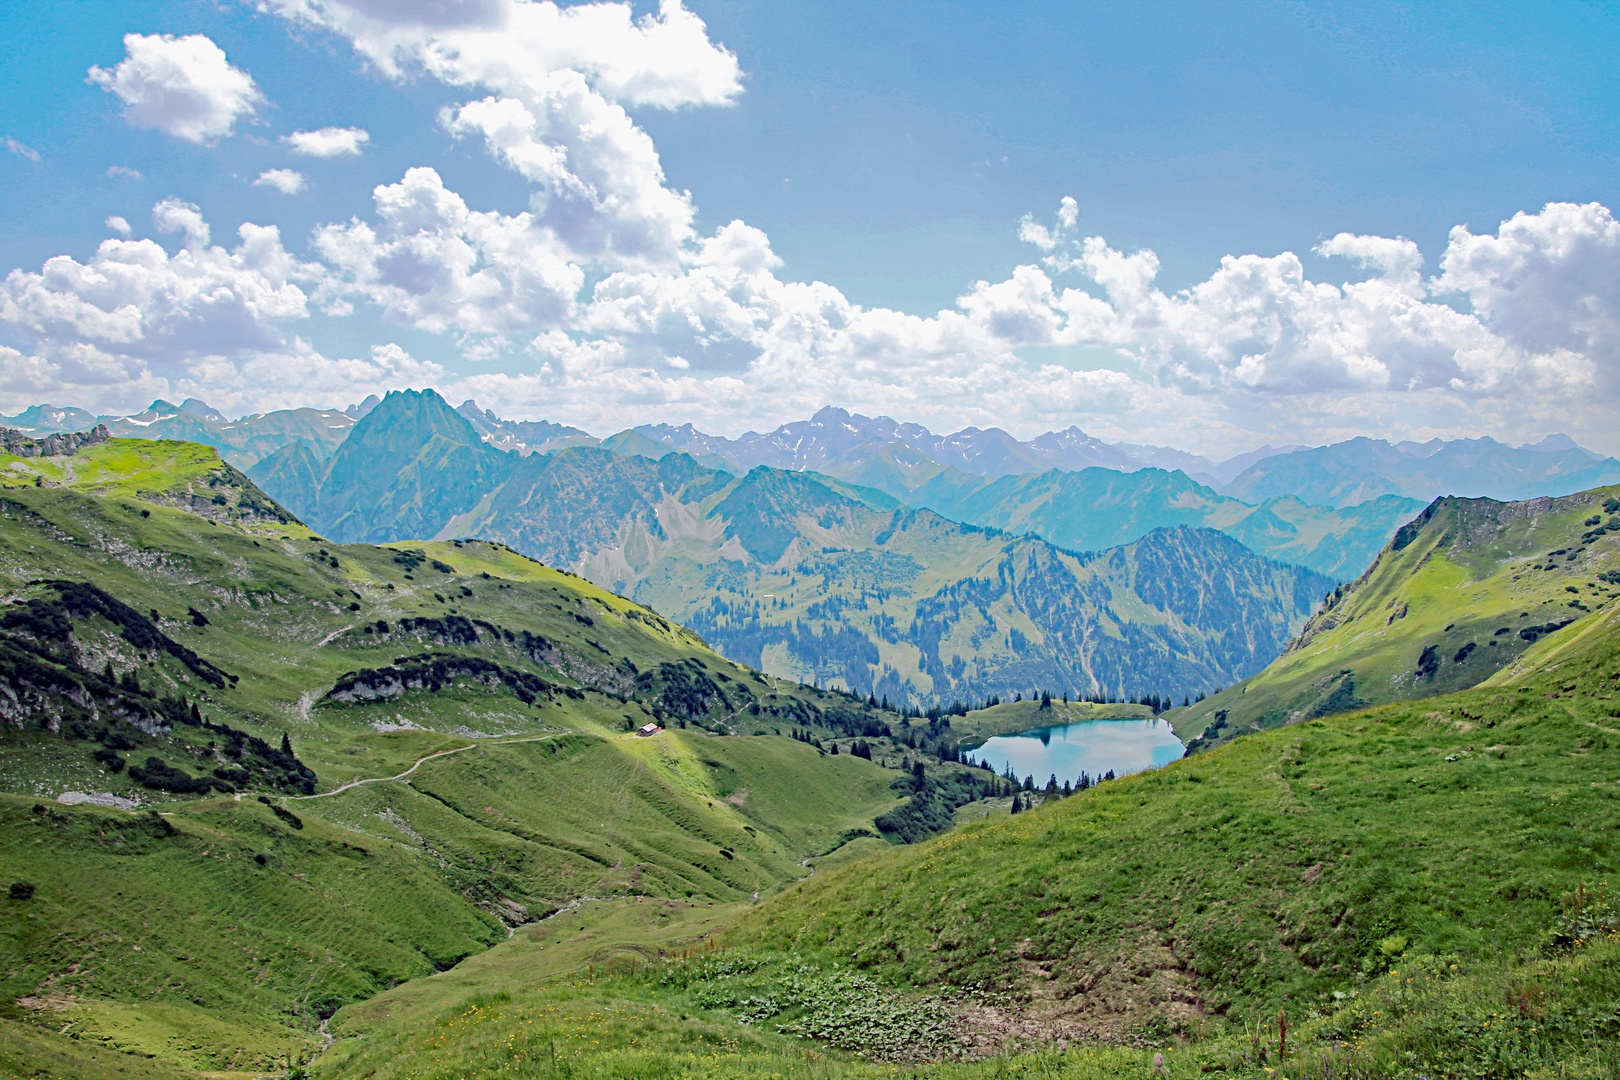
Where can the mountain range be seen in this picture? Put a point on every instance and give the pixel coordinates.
(805, 575)
(885, 453)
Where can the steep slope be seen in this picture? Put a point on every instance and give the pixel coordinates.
(306, 772)
(1458, 594)
(805, 576)
(1098, 508)
(1361, 469)
(295, 473)
(405, 470)
(1285, 870)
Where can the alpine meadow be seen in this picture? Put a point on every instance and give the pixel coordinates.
(1057, 542)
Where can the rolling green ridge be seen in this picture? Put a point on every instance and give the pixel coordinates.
(1404, 884)
(454, 760)
(1459, 593)
(391, 796)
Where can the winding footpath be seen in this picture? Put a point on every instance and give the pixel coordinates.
(422, 761)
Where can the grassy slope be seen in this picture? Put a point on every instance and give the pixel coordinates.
(1264, 873)
(118, 467)
(237, 959)
(1474, 582)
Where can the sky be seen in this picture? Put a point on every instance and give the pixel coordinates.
(1208, 226)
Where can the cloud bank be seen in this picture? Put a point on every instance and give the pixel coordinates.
(602, 304)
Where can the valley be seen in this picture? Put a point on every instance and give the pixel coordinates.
(290, 806)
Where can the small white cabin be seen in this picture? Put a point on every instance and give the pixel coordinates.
(648, 729)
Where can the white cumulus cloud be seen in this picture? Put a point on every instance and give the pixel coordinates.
(1259, 324)
(180, 85)
(286, 181)
(328, 142)
(133, 298)
(433, 263)
(556, 85)
(511, 46)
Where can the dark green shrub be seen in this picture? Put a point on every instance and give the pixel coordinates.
(22, 890)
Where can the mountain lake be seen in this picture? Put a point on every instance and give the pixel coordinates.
(1090, 746)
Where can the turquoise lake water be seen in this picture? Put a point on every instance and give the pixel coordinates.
(1091, 746)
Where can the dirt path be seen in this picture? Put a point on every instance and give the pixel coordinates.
(421, 761)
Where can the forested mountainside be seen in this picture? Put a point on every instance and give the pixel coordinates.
(807, 576)
(802, 575)
(1459, 594)
(1098, 508)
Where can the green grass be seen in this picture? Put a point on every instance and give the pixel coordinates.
(1471, 585)
(1257, 876)
(118, 467)
(1335, 869)
(504, 811)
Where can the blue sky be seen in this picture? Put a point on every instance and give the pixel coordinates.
(896, 173)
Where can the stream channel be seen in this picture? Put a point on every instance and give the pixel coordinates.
(1090, 746)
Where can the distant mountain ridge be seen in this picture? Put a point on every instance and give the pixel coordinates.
(802, 575)
(1360, 469)
(809, 576)
(884, 452)
(241, 442)
(1098, 508)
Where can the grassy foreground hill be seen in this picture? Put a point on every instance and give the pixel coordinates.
(249, 775)
(1459, 593)
(1406, 891)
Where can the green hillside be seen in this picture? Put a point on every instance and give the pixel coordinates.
(335, 791)
(1284, 870)
(184, 475)
(1460, 593)
(253, 775)
(1404, 888)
